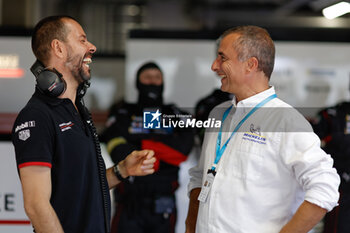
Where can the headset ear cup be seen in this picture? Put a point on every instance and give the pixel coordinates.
(51, 83)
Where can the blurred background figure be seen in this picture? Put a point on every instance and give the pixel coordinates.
(332, 125)
(205, 105)
(147, 204)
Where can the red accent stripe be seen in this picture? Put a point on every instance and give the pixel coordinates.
(35, 164)
(52, 87)
(15, 222)
(65, 126)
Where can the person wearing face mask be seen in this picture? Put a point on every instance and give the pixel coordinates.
(147, 204)
(150, 85)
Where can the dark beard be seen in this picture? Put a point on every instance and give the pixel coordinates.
(84, 75)
(79, 74)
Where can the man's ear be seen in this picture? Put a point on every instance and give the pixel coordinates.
(58, 48)
(252, 64)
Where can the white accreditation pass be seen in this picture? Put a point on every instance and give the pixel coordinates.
(207, 186)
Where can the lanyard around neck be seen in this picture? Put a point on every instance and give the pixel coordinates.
(220, 151)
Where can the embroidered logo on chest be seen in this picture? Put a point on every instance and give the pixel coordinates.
(66, 126)
(255, 130)
(254, 135)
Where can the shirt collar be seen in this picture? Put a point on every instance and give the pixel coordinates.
(252, 101)
(54, 101)
(47, 99)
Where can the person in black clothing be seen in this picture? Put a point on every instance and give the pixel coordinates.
(147, 204)
(206, 104)
(64, 180)
(333, 127)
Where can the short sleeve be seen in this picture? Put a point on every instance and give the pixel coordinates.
(33, 137)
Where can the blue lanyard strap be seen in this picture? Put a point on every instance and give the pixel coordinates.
(220, 151)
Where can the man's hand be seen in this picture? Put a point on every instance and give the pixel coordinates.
(192, 213)
(138, 163)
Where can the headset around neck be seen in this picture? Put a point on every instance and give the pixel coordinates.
(49, 81)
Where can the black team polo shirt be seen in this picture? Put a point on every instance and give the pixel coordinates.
(50, 132)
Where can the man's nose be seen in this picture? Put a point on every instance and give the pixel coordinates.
(214, 66)
(92, 48)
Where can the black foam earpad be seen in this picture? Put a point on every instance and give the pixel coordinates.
(50, 82)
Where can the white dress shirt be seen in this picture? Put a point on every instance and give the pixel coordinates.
(270, 166)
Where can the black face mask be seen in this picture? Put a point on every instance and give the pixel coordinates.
(150, 95)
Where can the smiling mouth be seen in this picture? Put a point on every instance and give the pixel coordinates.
(87, 61)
